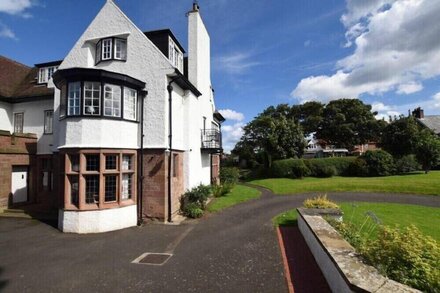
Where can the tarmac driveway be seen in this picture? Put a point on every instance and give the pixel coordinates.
(232, 251)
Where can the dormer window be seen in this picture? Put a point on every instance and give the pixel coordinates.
(175, 55)
(111, 49)
(45, 73)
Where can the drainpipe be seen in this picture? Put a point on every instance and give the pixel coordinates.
(170, 143)
(141, 162)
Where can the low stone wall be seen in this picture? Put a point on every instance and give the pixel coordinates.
(337, 259)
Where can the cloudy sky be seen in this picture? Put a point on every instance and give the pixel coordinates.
(265, 52)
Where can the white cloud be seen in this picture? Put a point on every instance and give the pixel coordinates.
(307, 43)
(16, 7)
(231, 135)
(436, 100)
(235, 63)
(6, 32)
(232, 115)
(394, 51)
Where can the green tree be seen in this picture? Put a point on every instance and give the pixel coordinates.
(348, 122)
(400, 137)
(427, 150)
(276, 136)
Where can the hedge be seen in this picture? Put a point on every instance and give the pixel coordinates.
(319, 167)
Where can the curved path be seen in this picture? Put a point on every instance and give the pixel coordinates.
(235, 250)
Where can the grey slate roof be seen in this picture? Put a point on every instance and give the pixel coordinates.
(432, 122)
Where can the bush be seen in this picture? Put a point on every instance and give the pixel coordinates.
(326, 171)
(379, 163)
(192, 210)
(320, 202)
(406, 256)
(319, 167)
(407, 164)
(221, 189)
(229, 175)
(289, 168)
(358, 168)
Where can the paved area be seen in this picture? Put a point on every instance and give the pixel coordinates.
(235, 250)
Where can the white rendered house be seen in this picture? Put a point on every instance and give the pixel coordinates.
(134, 124)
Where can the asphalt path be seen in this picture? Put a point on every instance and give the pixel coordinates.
(235, 250)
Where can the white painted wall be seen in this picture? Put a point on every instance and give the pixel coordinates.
(144, 62)
(34, 122)
(6, 116)
(97, 221)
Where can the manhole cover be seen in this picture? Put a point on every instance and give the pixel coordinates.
(153, 258)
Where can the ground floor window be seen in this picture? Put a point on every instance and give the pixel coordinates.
(97, 178)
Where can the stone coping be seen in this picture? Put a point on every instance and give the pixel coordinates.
(25, 135)
(335, 255)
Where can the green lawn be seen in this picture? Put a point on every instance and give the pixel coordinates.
(416, 183)
(239, 193)
(427, 219)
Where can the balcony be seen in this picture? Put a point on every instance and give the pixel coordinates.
(211, 140)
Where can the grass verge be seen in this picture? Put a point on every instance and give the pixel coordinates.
(239, 194)
(416, 183)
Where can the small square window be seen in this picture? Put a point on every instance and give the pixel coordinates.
(127, 163)
(111, 162)
(110, 188)
(74, 163)
(92, 162)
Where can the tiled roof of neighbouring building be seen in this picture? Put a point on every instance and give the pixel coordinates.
(19, 81)
(432, 122)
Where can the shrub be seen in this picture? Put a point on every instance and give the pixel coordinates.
(406, 256)
(379, 163)
(221, 189)
(358, 168)
(407, 164)
(320, 202)
(289, 168)
(229, 175)
(196, 197)
(318, 167)
(192, 210)
(326, 171)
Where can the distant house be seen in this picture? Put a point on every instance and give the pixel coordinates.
(429, 121)
(317, 149)
(362, 148)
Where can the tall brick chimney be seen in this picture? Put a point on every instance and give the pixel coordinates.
(418, 113)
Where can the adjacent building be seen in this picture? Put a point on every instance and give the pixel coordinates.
(114, 133)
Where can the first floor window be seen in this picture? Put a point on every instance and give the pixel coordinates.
(127, 163)
(18, 122)
(92, 98)
(111, 162)
(48, 121)
(92, 188)
(112, 100)
(92, 162)
(126, 186)
(73, 98)
(111, 186)
(130, 102)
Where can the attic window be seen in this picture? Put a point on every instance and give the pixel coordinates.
(111, 49)
(175, 55)
(45, 73)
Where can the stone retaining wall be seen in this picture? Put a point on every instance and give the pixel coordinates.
(337, 259)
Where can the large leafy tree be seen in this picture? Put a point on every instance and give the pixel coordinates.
(400, 137)
(275, 136)
(347, 123)
(427, 150)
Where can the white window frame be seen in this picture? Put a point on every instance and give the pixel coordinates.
(112, 100)
(107, 49)
(42, 75)
(74, 98)
(121, 50)
(48, 122)
(130, 104)
(89, 97)
(98, 52)
(21, 130)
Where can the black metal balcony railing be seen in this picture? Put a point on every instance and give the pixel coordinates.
(211, 139)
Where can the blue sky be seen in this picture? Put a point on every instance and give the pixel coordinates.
(265, 52)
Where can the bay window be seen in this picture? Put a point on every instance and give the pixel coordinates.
(98, 179)
(106, 49)
(92, 98)
(112, 100)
